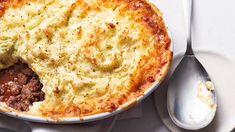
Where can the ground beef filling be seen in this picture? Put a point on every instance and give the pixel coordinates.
(20, 87)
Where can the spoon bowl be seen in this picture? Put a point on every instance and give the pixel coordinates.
(191, 99)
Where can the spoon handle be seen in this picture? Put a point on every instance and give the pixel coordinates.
(188, 13)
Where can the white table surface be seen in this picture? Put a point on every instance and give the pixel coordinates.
(213, 29)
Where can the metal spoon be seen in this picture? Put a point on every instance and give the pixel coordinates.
(191, 99)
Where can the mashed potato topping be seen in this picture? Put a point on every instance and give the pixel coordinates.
(91, 56)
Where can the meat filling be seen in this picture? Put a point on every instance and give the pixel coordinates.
(20, 87)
